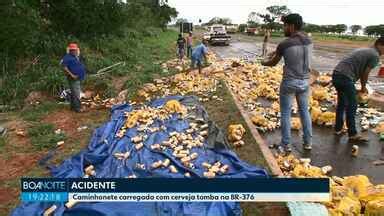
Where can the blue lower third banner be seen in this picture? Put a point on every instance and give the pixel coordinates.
(171, 190)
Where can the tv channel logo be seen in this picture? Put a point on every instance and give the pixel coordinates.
(43, 185)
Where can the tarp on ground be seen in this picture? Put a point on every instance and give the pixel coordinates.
(104, 144)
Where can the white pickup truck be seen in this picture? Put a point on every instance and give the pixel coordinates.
(217, 34)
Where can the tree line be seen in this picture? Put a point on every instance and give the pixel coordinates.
(35, 26)
(373, 30)
(271, 20)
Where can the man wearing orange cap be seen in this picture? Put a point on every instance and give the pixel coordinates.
(75, 72)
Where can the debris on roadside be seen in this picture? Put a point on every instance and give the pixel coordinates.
(89, 171)
(379, 128)
(60, 143)
(378, 162)
(59, 131)
(355, 150)
(21, 132)
(50, 211)
(235, 134)
(3, 131)
(350, 195)
(256, 87)
(81, 128)
(295, 123)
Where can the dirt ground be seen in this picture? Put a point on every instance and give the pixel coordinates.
(19, 158)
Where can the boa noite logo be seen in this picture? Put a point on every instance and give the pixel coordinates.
(43, 185)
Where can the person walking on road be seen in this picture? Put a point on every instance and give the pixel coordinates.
(180, 47)
(350, 69)
(265, 43)
(198, 53)
(297, 53)
(189, 44)
(75, 71)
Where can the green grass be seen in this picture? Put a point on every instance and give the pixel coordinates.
(277, 37)
(37, 112)
(100, 85)
(224, 113)
(142, 52)
(149, 54)
(142, 55)
(43, 136)
(319, 36)
(3, 141)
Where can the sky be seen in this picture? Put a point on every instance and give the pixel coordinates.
(350, 12)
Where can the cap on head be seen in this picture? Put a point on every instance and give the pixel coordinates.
(293, 19)
(73, 46)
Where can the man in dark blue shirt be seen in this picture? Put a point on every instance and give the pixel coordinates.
(75, 72)
(353, 67)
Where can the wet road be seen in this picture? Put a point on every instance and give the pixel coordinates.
(328, 149)
(323, 61)
(324, 58)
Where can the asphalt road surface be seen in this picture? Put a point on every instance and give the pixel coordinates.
(325, 56)
(328, 149)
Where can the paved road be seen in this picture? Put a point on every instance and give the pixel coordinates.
(325, 56)
(327, 148)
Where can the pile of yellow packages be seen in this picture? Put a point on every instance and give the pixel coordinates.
(176, 64)
(257, 86)
(350, 195)
(250, 82)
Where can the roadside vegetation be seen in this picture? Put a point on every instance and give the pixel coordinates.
(40, 121)
(337, 37)
(35, 36)
(269, 20)
(34, 39)
(225, 113)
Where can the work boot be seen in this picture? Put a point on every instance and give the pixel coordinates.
(358, 137)
(284, 149)
(340, 132)
(273, 146)
(307, 146)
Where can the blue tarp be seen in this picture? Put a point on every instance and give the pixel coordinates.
(104, 144)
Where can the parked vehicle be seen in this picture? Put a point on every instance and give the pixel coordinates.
(252, 31)
(231, 29)
(217, 34)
